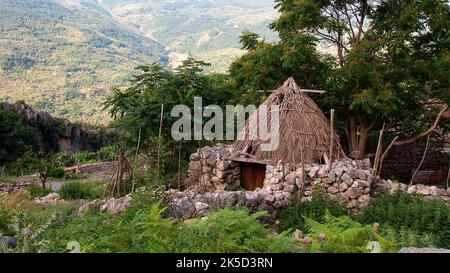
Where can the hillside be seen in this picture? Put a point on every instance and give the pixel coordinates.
(63, 56)
(207, 29)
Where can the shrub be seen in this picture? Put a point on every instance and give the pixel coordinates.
(403, 211)
(407, 238)
(231, 231)
(14, 201)
(343, 235)
(5, 223)
(63, 159)
(294, 216)
(78, 190)
(57, 172)
(37, 191)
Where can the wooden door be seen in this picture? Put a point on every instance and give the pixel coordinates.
(253, 176)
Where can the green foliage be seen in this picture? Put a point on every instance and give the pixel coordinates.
(86, 50)
(5, 223)
(343, 235)
(294, 217)
(137, 109)
(231, 231)
(407, 238)
(403, 211)
(56, 172)
(37, 191)
(79, 190)
(17, 137)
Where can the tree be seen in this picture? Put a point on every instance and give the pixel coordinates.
(17, 137)
(137, 109)
(391, 62)
(249, 40)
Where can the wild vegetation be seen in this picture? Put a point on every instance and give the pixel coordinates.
(389, 71)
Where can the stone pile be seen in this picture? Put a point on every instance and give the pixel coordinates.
(214, 182)
(189, 204)
(349, 181)
(51, 198)
(10, 187)
(111, 205)
(427, 192)
(92, 168)
(211, 169)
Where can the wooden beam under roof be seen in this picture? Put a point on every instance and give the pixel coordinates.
(303, 90)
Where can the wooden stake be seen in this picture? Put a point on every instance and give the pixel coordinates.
(159, 140)
(378, 153)
(179, 167)
(332, 139)
(421, 161)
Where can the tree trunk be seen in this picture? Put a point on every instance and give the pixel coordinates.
(359, 132)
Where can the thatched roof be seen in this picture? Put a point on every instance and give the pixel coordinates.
(304, 133)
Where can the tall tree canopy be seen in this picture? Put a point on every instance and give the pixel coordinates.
(391, 61)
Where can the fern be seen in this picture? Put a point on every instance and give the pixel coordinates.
(343, 235)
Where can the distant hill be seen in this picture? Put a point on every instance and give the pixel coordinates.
(64, 56)
(207, 29)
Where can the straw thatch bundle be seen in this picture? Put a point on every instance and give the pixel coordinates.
(304, 132)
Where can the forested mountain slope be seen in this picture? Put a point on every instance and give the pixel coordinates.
(63, 56)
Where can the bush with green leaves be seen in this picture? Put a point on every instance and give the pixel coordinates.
(404, 211)
(79, 190)
(294, 216)
(5, 223)
(37, 191)
(231, 231)
(344, 235)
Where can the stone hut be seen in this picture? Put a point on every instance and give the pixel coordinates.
(245, 174)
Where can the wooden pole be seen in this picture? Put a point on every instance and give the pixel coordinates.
(421, 161)
(135, 158)
(378, 153)
(448, 175)
(332, 138)
(159, 140)
(179, 167)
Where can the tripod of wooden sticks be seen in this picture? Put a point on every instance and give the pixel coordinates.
(118, 179)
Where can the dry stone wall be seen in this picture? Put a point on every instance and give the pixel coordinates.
(211, 169)
(214, 182)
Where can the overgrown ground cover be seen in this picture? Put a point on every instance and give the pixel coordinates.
(322, 225)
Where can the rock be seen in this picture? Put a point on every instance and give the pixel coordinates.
(355, 184)
(327, 180)
(312, 171)
(269, 199)
(363, 183)
(347, 179)
(200, 207)
(290, 178)
(361, 174)
(9, 241)
(322, 172)
(339, 171)
(365, 199)
(353, 193)
(412, 189)
(332, 190)
(223, 165)
(343, 187)
(51, 198)
(423, 190)
(252, 198)
(423, 250)
(433, 190)
(332, 176)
